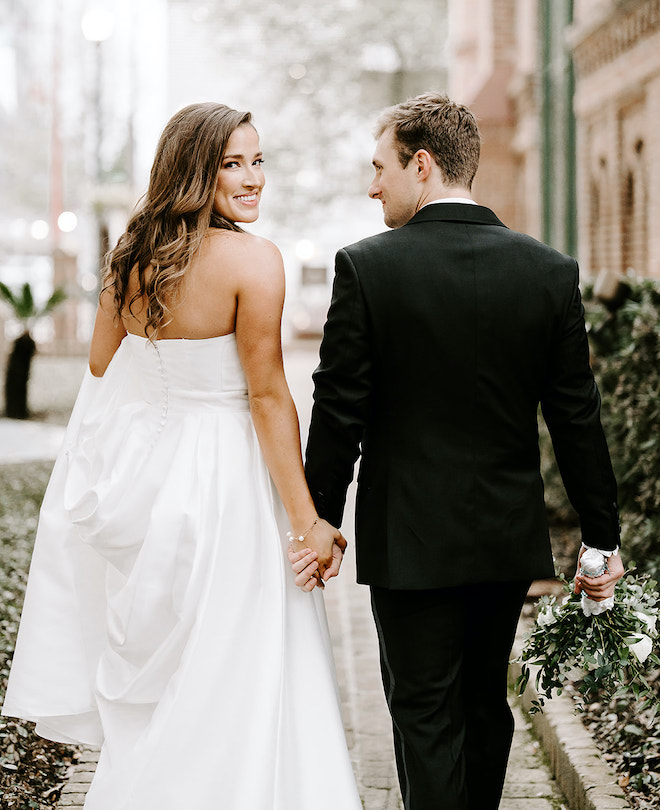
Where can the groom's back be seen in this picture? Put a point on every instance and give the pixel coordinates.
(465, 319)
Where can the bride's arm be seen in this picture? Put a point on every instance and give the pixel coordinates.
(108, 334)
(260, 300)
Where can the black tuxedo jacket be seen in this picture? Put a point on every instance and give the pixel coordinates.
(442, 338)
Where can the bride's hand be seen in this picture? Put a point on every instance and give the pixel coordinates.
(304, 563)
(321, 539)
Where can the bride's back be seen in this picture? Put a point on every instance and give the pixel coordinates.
(205, 303)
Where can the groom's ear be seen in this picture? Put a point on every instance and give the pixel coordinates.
(423, 164)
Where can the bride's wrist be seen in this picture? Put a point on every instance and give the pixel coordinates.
(297, 534)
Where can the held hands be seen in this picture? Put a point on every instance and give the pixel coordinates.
(306, 568)
(318, 557)
(602, 587)
(322, 539)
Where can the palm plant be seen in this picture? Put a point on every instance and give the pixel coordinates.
(24, 347)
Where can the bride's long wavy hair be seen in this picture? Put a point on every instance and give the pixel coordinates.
(169, 224)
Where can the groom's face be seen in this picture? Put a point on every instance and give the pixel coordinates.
(394, 186)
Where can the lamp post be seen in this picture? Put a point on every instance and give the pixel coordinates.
(65, 268)
(97, 26)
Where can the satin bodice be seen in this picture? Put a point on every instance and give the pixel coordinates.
(183, 374)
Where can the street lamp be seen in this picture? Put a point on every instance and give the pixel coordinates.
(97, 26)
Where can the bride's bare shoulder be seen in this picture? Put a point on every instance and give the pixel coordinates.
(242, 251)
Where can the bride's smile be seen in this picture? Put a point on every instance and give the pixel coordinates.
(241, 177)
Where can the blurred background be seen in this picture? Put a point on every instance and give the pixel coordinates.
(567, 93)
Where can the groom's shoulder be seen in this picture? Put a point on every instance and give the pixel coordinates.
(371, 245)
(542, 257)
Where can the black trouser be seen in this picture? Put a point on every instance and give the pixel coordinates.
(444, 657)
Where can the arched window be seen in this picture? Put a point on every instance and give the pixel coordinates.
(628, 222)
(634, 212)
(599, 231)
(594, 227)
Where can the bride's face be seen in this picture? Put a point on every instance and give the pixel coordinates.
(241, 177)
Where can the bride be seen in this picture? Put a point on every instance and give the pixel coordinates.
(161, 619)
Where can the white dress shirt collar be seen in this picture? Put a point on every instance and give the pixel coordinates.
(464, 200)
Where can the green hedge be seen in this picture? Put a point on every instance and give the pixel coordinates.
(626, 347)
(626, 361)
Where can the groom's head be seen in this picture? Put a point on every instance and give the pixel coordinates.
(428, 147)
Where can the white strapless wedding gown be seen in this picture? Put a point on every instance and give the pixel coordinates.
(161, 620)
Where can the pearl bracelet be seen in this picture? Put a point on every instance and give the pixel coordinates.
(300, 538)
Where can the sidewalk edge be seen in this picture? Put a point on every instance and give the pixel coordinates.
(583, 776)
(74, 791)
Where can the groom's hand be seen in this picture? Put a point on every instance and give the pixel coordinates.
(602, 587)
(338, 550)
(305, 568)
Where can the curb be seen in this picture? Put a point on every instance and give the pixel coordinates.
(585, 779)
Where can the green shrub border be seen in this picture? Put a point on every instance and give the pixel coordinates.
(625, 356)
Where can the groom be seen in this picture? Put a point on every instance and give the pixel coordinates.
(443, 336)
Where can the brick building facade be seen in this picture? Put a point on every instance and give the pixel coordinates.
(616, 49)
(567, 93)
(493, 68)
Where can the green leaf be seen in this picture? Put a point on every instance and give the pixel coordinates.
(8, 295)
(27, 301)
(57, 297)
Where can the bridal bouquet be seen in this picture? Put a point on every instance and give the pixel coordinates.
(608, 652)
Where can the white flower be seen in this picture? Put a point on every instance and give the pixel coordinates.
(546, 617)
(649, 621)
(642, 648)
(592, 563)
(591, 608)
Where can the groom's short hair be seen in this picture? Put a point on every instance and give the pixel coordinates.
(448, 131)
